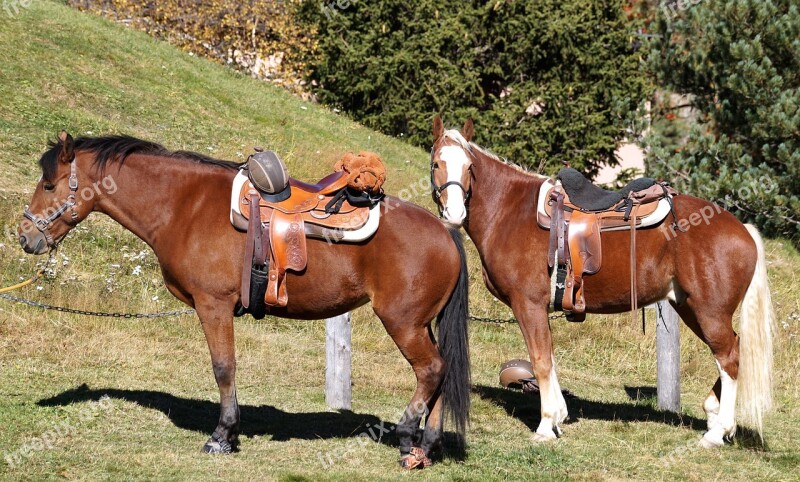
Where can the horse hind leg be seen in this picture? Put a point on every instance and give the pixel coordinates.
(720, 405)
(417, 346)
(722, 425)
(711, 404)
(434, 426)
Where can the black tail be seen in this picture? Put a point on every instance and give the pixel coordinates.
(454, 347)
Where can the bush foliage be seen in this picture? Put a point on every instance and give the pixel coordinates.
(739, 61)
(261, 37)
(554, 80)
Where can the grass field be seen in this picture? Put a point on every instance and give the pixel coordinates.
(60, 68)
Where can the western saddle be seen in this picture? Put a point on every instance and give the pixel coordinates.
(279, 213)
(576, 212)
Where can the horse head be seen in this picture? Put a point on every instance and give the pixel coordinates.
(451, 170)
(57, 205)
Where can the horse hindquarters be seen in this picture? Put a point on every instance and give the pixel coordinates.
(720, 264)
(414, 280)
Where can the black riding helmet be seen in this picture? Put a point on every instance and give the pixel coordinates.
(269, 175)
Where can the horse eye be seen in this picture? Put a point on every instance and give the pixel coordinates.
(49, 187)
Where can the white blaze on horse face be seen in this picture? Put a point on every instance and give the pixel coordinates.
(456, 160)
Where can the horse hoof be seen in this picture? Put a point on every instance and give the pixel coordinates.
(217, 447)
(541, 438)
(709, 443)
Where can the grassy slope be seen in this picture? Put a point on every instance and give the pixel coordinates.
(63, 69)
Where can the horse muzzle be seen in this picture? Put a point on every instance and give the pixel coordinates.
(456, 216)
(33, 243)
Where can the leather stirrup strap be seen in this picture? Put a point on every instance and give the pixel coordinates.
(252, 246)
(274, 277)
(556, 226)
(271, 297)
(563, 230)
(565, 259)
(247, 266)
(569, 290)
(634, 297)
(260, 248)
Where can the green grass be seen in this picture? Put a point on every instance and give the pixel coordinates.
(60, 68)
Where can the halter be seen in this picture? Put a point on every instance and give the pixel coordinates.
(437, 190)
(44, 224)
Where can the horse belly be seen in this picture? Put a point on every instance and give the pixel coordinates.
(332, 283)
(608, 291)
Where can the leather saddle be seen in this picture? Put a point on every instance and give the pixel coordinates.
(576, 212)
(277, 230)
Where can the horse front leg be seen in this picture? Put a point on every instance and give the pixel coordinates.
(535, 326)
(217, 325)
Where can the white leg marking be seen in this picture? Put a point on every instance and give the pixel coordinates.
(554, 407)
(561, 412)
(711, 407)
(723, 425)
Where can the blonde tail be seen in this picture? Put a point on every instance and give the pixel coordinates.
(755, 345)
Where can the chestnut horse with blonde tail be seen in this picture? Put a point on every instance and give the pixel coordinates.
(179, 204)
(705, 272)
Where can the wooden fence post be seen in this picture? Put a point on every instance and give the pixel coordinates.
(668, 357)
(338, 358)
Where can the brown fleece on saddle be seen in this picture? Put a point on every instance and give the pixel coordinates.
(365, 171)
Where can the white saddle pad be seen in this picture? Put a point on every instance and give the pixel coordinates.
(348, 235)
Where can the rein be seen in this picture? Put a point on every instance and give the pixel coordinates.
(44, 224)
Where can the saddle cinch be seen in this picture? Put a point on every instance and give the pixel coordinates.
(576, 212)
(341, 207)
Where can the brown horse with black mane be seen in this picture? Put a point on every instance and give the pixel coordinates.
(704, 272)
(179, 204)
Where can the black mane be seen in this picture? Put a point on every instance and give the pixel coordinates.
(117, 148)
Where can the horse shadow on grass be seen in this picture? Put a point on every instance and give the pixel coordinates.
(202, 415)
(525, 407)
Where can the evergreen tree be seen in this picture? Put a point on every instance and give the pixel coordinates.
(554, 80)
(740, 62)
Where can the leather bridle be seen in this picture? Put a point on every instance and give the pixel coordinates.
(44, 224)
(437, 190)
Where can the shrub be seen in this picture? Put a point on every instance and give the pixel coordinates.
(739, 61)
(260, 37)
(555, 79)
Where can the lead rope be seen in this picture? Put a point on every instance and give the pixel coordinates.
(33, 278)
(23, 284)
(36, 304)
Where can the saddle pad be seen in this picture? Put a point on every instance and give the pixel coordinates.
(644, 219)
(363, 222)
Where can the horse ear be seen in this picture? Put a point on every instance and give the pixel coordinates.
(469, 130)
(67, 153)
(438, 128)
